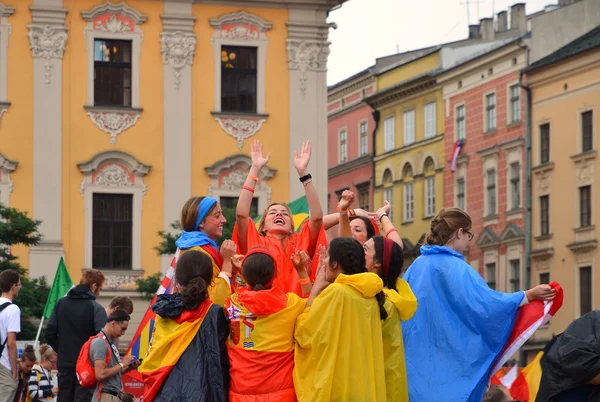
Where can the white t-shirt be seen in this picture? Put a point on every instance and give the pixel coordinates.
(10, 321)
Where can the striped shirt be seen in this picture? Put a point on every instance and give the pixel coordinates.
(40, 384)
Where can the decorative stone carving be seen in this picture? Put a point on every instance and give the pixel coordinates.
(47, 42)
(240, 128)
(230, 24)
(120, 282)
(113, 175)
(113, 25)
(582, 258)
(178, 50)
(584, 172)
(6, 11)
(543, 181)
(114, 9)
(113, 123)
(543, 265)
(307, 56)
(234, 180)
(3, 109)
(240, 32)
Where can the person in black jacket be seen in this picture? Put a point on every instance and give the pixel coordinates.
(75, 318)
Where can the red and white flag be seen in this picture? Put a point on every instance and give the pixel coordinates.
(457, 147)
(530, 318)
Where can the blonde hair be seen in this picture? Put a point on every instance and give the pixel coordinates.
(46, 352)
(261, 222)
(445, 224)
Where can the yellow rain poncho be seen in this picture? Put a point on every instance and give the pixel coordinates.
(339, 349)
(400, 306)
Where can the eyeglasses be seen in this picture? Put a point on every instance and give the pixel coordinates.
(471, 235)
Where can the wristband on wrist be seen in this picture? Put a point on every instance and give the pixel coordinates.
(352, 213)
(305, 281)
(306, 177)
(256, 179)
(381, 217)
(340, 210)
(248, 188)
(392, 230)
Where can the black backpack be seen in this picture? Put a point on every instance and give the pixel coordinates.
(2, 307)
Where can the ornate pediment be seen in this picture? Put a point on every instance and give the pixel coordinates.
(488, 239)
(240, 26)
(101, 159)
(512, 233)
(7, 164)
(125, 17)
(583, 247)
(235, 163)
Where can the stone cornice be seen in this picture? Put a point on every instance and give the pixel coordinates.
(93, 164)
(349, 166)
(6, 11)
(178, 23)
(302, 4)
(395, 93)
(364, 80)
(110, 8)
(348, 109)
(7, 164)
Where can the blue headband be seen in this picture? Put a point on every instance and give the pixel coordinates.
(203, 208)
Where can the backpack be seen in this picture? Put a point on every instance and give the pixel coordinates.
(2, 307)
(84, 368)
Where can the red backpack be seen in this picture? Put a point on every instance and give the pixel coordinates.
(86, 374)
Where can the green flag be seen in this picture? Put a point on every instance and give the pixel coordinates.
(299, 209)
(60, 287)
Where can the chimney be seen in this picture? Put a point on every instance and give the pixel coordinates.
(474, 32)
(486, 27)
(502, 21)
(518, 18)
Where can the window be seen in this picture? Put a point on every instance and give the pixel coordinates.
(545, 143)
(460, 122)
(430, 196)
(491, 192)
(230, 203)
(587, 131)
(490, 275)
(460, 193)
(490, 111)
(409, 127)
(343, 146)
(430, 120)
(363, 198)
(364, 138)
(515, 103)
(388, 195)
(585, 290)
(585, 206)
(545, 215)
(515, 185)
(544, 278)
(238, 79)
(515, 275)
(389, 134)
(112, 227)
(409, 201)
(112, 72)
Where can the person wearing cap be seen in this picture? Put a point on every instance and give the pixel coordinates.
(202, 223)
(110, 386)
(261, 340)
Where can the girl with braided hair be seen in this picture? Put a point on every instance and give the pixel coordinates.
(339, 348)
(461, 326)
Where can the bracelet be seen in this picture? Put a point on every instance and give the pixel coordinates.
(256, 179)
(122, 366)
(306, 182)
(381, 217)
(340, 210)
(305, 281)
(248, 188)
(305, 178)
(392, 230)
(352, 213)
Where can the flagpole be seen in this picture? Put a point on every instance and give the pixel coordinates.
(37, 337)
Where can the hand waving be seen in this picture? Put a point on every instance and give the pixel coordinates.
(256, 152)
(347, 200)
(301, 160)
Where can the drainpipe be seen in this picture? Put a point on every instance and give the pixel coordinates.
(527, 174)
(376, 116)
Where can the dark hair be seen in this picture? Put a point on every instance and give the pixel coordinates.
(368, 225)
(28, 353)
(122, 302)
(396, 262)
(92, 276)
(496, 393)
(350, 255)
(445, 224)
(194, 273)
(8, 278)
(258, 270)
(118, 315)
(189, 213)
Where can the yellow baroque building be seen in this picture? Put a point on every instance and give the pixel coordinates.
(112, 114)
(409, 147)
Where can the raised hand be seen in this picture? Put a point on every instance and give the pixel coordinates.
(301, 160)
(384, 210)
(347, 200)
(299, 260)
(236, 261)
(228, 249)
(256, 152)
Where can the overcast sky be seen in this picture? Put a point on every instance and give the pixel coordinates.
(368, 29)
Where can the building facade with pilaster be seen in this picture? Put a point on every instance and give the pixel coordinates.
(112, 114)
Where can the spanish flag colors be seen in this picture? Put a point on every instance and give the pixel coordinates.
(522, 384)
(220, 288)
(339, 348)
(261, 344)
(170, 340)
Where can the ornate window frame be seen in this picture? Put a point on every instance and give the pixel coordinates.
(6, 184)
(114, 21)
(114, 172)
(241, 29)
(5, 31)
(228, 176)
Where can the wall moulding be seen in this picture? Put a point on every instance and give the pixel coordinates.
(113, 121)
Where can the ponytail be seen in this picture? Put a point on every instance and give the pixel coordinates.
(383, 315)
(193, 273)
(194, 293)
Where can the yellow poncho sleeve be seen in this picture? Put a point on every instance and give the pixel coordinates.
(339, 351)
